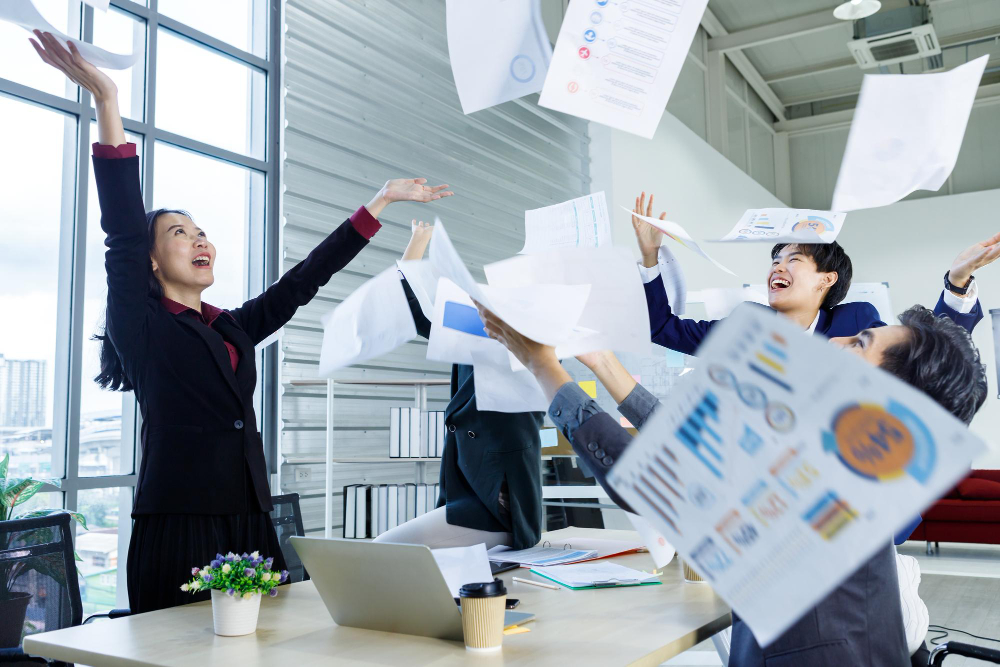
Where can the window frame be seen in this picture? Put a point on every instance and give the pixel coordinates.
(262, 233)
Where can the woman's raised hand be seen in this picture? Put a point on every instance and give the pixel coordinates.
(420, 238)
(85, 75)
(405, 189)
(648, 236)
(75, 66)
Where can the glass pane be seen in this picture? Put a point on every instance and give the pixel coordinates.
(119, 32)
(102, 449)
(223, 211)
(687, 101)
(734, 80)
(242, 23)
(737, 134)
(45, 143)
(98, 547)
(20, 63)
(232, 92)
(761, 154)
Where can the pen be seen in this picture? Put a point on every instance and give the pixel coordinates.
(535, 583)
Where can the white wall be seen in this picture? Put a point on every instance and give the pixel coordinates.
(911, 244)
(903, 244)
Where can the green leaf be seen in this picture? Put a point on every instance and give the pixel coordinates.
(3, 471)
(21, 492)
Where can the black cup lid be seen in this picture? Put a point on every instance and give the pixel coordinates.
(489, 589)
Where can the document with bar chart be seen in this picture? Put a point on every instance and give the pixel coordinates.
(783, 463)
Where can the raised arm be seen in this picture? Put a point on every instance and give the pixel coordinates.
(420, 238)
(634, 401)
(961, 304)
(123, 216)
(263, 315)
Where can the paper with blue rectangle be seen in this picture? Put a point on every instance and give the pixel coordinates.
(777, 486)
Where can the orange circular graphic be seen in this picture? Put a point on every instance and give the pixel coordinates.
(873, 442)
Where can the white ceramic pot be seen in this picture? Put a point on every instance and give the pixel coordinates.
(234, 616)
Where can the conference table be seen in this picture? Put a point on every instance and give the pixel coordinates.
(637, 625)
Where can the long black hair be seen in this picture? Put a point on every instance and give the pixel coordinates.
(112, 375)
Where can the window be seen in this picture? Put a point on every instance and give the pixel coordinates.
(196, 106)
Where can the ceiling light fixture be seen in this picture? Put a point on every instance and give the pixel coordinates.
(856, 9)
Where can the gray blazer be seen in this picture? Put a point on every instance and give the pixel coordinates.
(859, 623)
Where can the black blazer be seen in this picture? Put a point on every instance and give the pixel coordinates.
(482, 451)
(199, 432)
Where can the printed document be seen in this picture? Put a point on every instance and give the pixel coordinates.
(787, 225)
(680, 235)
(578, 223)
(906, 134)
(782, 464)
(499, 50)
(616, 62)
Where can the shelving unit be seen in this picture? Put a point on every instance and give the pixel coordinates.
(419, 400)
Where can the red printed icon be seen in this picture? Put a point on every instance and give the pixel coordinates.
(573, 86)
(584, 52)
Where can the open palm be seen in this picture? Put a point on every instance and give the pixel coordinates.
(73, 65)
(648, 236)
(412, 189)
(972, 258)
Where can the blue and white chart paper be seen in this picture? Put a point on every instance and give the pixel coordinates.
(499, 50)
(782, 464)
(787, 225)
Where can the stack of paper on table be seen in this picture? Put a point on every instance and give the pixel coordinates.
(596, 575)
(568, 550)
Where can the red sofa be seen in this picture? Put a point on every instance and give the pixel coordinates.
(970, 513)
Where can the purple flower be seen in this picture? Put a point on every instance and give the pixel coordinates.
(230, 591)
(207, 578)
(232, 558)
(215, 563)
(219, 556)
(284, 576)
(246, 556)
(273, 592)
(248, 572)
(268, 563)
(195, 570)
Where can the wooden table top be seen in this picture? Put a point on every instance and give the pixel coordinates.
(641, 625)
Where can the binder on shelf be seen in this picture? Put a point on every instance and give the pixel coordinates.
(441, 433)
(394, 433)
(426, 434)
(362, 528)
(383, 508)
(349, 510)
(415, 432)
(400, 504)
(404, 432)
(421, 499)
(411, 501)
(392, 506)
(373, 513)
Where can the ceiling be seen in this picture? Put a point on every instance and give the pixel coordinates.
(799, 48)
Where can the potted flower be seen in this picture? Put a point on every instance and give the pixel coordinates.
(237, 584)
(14, 604)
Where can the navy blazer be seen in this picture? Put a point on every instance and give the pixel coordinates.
(846, 319)
(199, 428)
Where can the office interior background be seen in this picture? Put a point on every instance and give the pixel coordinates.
(272, 121)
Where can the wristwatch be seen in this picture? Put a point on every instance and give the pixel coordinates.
(955, 288)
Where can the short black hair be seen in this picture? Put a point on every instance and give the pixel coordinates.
(940, 359)
(829, 257)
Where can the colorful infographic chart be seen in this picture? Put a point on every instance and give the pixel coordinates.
(787, 225)
(781, 464)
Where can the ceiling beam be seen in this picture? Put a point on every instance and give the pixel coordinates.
(845, 63)
(775, 32)
(988, 94)
(715, 29)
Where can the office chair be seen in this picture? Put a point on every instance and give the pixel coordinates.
(287, 519)
(966, 650)
(36, 559)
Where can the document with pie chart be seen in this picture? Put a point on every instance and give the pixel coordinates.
(782, 464)
(787, 225)
(616, 61)
(499, 50)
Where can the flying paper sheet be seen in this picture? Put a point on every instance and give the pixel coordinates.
(615, 315)
(578, 223)
(616, 63)
(499, 389)
(24, 14)
(447, 263)
(423, 280)
(463, 565)
(674, 283)
(499, 50)
(782, 464)
(787, 225)
(655, 543)
(373, 320)
(455, 339)
(680, 235)
(906, 135)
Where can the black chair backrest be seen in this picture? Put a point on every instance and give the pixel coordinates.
(966, 650)
(287, 519)
(37, 575)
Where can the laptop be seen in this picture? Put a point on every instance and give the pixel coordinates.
(386, 587)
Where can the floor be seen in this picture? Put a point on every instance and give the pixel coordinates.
(960, 584)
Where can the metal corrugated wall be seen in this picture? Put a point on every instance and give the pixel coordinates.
(369, 97)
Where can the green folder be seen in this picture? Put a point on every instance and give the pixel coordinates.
(606, 583)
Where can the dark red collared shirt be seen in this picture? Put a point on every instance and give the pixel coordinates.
(207, 316)
(364, 222)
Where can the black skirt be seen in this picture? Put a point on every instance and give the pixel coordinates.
(164, 548)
